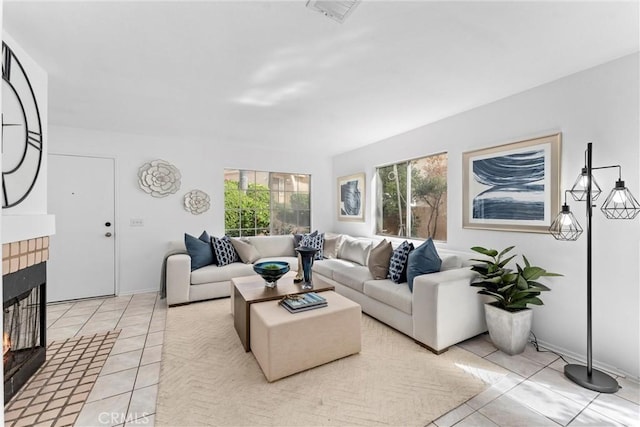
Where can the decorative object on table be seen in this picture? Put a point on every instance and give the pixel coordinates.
(620, 204)
(299, 276)
(508, 318)
(271, 271)
(159, 178)
(196, 202)
(514, 187)
(307, 254)
(315, 241)
(22, 139)
(297, 242)
(302, 302)
(351, 197)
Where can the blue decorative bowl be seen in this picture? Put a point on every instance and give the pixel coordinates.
(271, 271)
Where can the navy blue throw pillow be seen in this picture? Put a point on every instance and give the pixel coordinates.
(423, 260)
(199, 250)
(398, 262)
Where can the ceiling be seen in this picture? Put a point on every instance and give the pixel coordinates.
(277, 74)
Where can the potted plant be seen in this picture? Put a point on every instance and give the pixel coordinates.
(508, 317)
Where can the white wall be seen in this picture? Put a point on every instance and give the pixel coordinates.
(599, 105)
(140, 249)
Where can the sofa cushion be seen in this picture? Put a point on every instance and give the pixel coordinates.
(356, 250)
(398, 263)
(199, 250)
(396, 295)
(422, 260)
(379, 259)
(327, 266)
(273, 246)
(214, 273)
(315, 242)
(246, 251)
(353, 275)
(449, 262)
(332, 245)
(224, 250)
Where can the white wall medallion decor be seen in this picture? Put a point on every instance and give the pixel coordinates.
(159, 178)
(196, 202)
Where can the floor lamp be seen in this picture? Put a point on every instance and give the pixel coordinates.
(620, 204)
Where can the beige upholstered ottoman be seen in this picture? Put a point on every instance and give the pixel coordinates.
(284, 343)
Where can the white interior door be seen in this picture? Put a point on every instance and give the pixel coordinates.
(82, 252)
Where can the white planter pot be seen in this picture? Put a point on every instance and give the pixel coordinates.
(509, 331)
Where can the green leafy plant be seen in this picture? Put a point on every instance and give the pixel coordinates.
(513, 290)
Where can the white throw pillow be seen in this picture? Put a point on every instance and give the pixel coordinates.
(356, 250)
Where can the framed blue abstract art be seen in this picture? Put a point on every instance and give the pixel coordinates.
(513, 187)
(351, 197)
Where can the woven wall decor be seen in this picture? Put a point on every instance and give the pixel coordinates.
(196, 202)
(159, 178)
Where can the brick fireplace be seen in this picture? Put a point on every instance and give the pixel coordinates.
(24, 310)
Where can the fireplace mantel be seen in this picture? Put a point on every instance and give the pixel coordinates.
(16, 228)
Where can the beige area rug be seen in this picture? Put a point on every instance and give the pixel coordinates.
(207, 378)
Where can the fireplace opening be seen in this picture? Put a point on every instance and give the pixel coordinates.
(24, 326)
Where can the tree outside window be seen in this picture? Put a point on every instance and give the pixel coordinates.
(412, 198)
(261, 203)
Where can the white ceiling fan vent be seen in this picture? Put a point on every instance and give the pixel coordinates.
(337, 10)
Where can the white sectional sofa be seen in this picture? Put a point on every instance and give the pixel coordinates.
(441, 311)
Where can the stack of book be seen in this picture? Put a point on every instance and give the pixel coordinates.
(303, 302)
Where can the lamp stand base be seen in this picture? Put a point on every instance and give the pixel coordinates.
(597, 381)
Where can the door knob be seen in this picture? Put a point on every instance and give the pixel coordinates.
(107, 234)
(107, 224)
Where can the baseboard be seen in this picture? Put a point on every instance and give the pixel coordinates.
(138, 291)
(582, 359)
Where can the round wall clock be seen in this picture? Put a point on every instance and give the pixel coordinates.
(21, 132)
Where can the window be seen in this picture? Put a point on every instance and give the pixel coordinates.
(412, 198)
(260, 203)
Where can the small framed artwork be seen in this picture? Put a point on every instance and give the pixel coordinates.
(512, 187)
(351, 197)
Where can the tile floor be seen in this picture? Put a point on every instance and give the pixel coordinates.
(125, 391)
(55, 395)
(534, 393)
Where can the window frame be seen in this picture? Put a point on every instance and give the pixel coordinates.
(408, 221)
(275, 208)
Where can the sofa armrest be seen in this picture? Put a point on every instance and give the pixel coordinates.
(178, 278)
(446, 309)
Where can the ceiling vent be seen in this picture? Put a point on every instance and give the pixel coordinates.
(338, 10)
